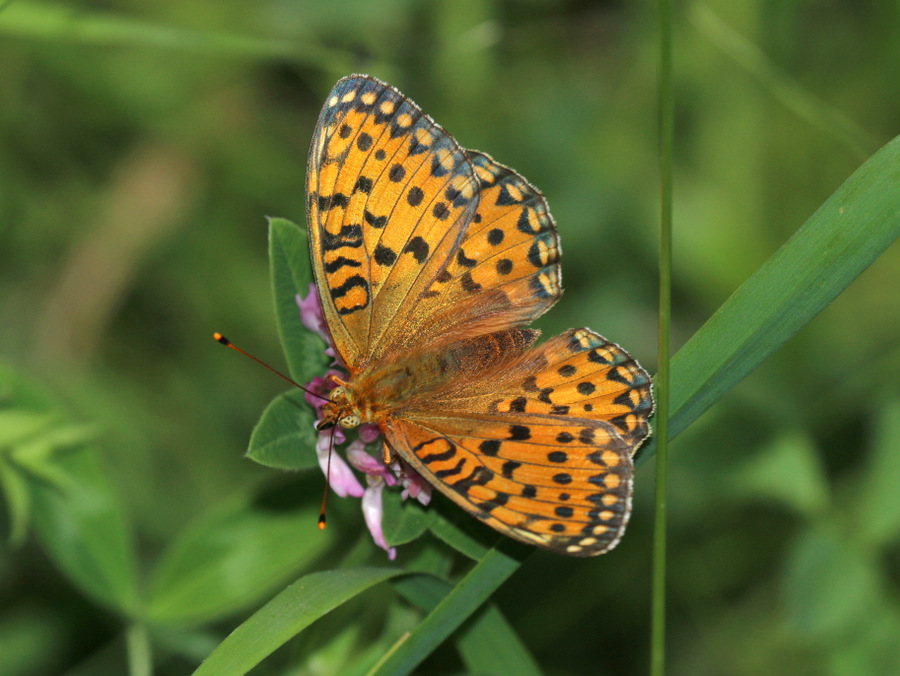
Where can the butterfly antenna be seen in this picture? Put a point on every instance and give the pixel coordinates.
(227, 343)
(327, 482)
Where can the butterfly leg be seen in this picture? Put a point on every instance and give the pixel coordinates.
(388, 454)
(337, 381)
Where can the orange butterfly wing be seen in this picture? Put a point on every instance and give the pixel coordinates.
(414, 239)
(540, 447)
(389, 197)
(428, 258)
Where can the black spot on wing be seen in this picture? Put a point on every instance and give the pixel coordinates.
(415, 196)
(341, 262)
(419, 248)
(354, 282)
(373, 220)
(349, 236)
(385, 255)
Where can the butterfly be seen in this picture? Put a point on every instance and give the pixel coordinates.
(430, 262)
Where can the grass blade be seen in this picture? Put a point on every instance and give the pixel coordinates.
(472, 591)
(64, 23)
(666, 136)
(845, 235)
(282, 618)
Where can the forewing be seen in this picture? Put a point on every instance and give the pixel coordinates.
(414, 240)
(389, 196)
(506, 271)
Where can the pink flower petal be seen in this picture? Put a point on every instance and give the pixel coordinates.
(311, 314)
(342, 480)
(414, 486)
(373, 511)
(313, 318)
(369, 432)
(361, 460)
(372, 467)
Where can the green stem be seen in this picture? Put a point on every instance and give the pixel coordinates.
(140, 654)
(666, 115)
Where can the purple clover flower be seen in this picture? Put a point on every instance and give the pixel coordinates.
(313, 318)
(343, 481)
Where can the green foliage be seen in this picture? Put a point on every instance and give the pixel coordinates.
(140, 147)
(298, 606)
(837, 243)
(291, 276)
(285, 437)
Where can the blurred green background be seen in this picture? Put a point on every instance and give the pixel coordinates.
(143, 144)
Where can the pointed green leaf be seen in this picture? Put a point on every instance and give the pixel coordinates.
(63, 22)
(285, 436)
(288, 614)
(403, 520)
(291, 275)
(53, 478)
(831, 587)
(788, 470)
(457, 536)
(18, 424)
(81, 522)
(845, 235)
(18, 502)
(878, 506)
(467, 596)
(487, 643)
(234, 556)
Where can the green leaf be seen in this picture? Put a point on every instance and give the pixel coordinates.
(234, 556)
(487, 644)
(831, 588)
(467, 596)
(815, 112)
(872, 650)
(34, 455)
(787, 470)
(54, 479)
(878, 507)
(845, 235)
(282, 618)
(18, 502)
(18, 424)
(285, 436)
(56, 23)
(403, 520)
(457, 536)
(291, 275)
(82, 525)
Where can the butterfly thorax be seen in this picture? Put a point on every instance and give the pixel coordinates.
(373, 395)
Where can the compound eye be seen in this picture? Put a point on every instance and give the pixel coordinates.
(337, 393)
(349, 421)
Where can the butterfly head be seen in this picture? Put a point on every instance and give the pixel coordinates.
(338, 410)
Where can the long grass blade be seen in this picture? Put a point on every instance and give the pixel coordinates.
(286, 615)
(840, 240)
(666, 126)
